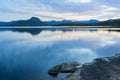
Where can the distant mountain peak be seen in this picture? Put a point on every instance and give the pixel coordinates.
(35, 19)
(93, 20)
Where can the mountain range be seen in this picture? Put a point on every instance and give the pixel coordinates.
(34, 21)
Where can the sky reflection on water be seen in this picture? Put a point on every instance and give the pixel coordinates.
(27, 57)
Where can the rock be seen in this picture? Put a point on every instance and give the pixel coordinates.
(73, 76)
(69, 67)
(54, 71)
(107, 68)
(63, 68)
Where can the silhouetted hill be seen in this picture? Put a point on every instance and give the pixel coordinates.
(115, 22)
(34, 21)
(53, 23)
(5, 23)
(30, 22)
(79, 23)
(70, 23)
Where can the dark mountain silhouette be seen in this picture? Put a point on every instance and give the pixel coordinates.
(30, 22)
(115, 22)
(53, 23)
(34, 21)
(69, 22)
(5, 23)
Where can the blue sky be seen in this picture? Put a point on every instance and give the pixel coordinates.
(59, 9)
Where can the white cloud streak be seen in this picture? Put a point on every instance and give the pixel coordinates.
(62, 9)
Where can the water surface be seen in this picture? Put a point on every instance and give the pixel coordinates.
(24, 56)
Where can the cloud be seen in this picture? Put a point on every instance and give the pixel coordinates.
(80, 1)
(82, 54)
(63, 9)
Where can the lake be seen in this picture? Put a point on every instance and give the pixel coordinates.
(27, 56)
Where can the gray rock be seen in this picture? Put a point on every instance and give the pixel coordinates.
(102, 69)
(73, 76)
(107, 68)
(63, 68)
(69, 67)
(54, 71)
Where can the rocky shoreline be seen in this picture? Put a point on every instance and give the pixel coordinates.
(106, 68)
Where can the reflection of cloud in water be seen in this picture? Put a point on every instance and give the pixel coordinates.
(23, 55)
(80, 52)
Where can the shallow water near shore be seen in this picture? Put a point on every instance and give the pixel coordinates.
(24, 56)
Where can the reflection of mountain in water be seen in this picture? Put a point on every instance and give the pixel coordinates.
(33, 31)
(36, 30)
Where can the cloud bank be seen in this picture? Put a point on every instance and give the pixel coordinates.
(60, 9)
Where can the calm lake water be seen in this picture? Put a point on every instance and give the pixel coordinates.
(24, 56)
